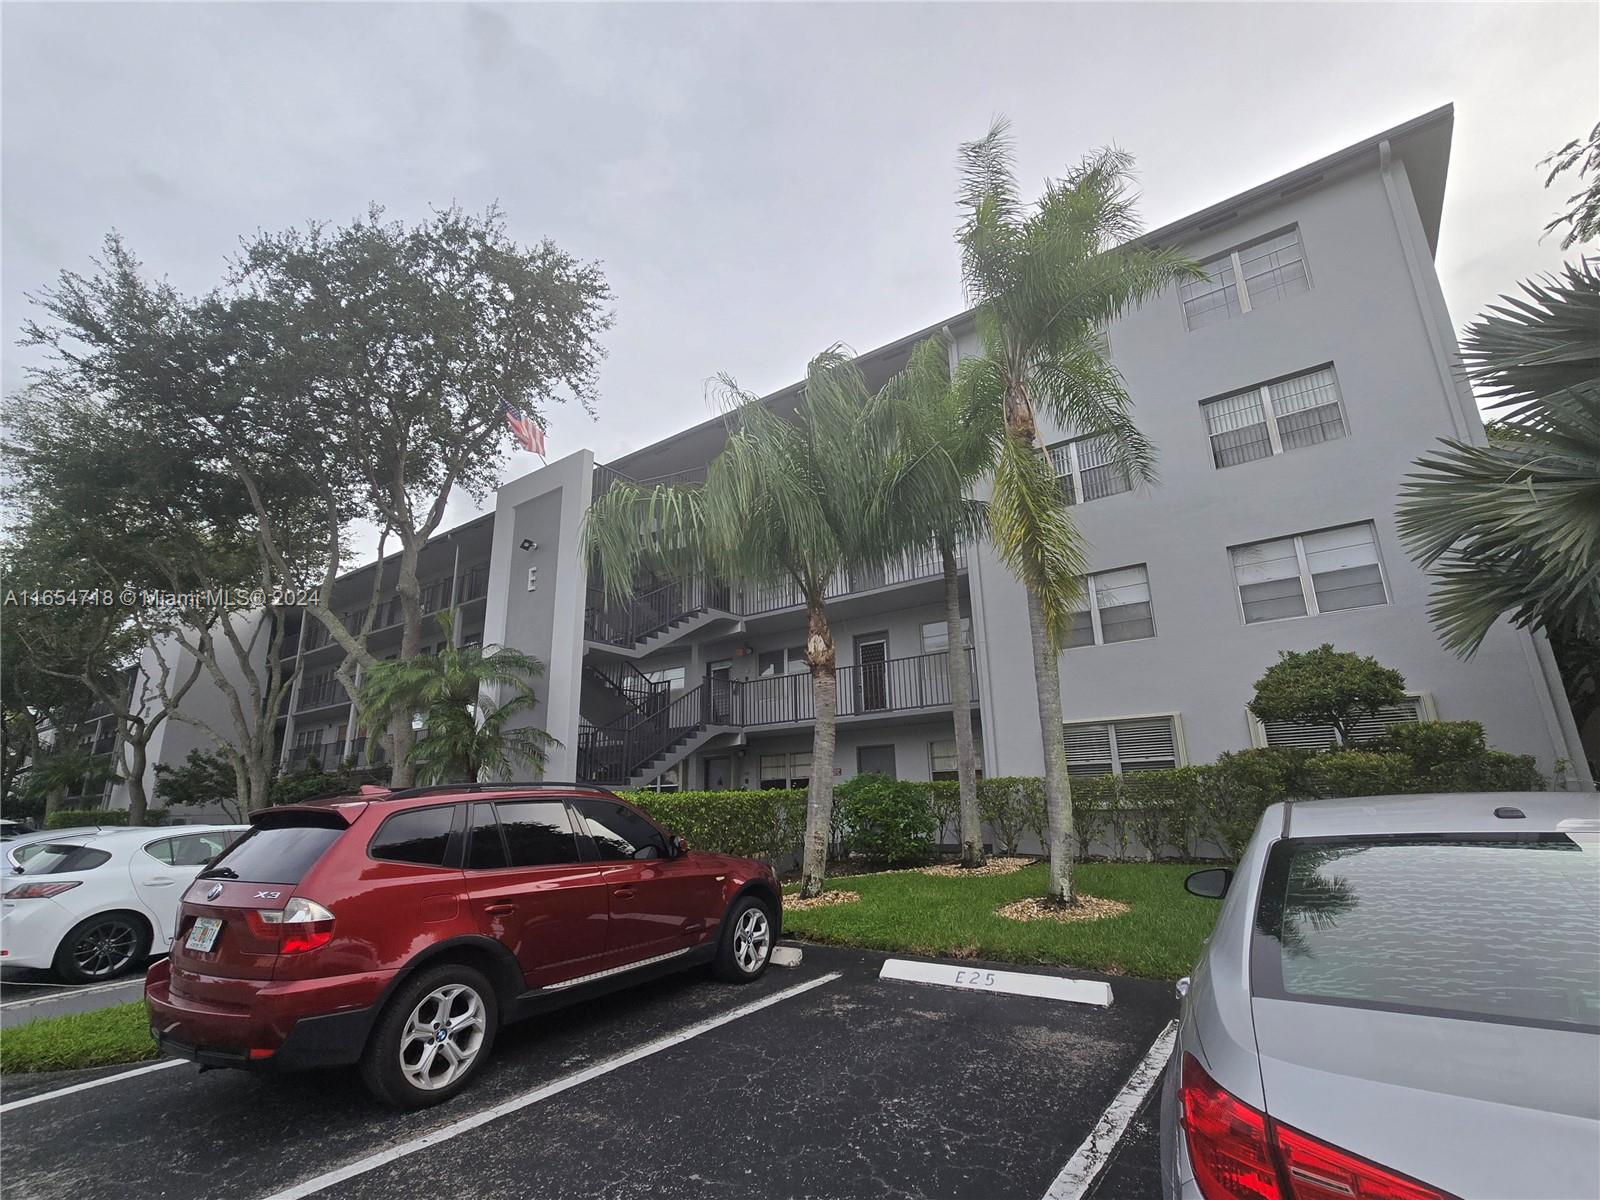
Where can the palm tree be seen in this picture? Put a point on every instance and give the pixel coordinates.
(1512, 528)
(1045, 280)
(464, 735)
(936, 427)
(802, 502)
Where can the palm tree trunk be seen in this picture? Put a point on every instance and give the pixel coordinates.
(825, 702)
(961, 704)
(1057, 790)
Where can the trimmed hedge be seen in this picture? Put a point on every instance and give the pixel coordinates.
(67, 818)
(756, 824)
(1182, 812)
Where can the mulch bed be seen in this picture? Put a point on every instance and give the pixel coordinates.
(1087, 908)
(1000, 865)
(794, 903)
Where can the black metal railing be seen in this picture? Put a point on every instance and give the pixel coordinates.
(629, 684)
(320, 693)
(617, 751)
(650, 611)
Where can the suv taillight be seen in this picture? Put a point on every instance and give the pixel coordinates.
(298, 926)
(1238, 1153)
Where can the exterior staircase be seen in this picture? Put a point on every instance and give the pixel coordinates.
(655, 616)
(635, 748)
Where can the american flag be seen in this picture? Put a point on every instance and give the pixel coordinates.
(525, 429)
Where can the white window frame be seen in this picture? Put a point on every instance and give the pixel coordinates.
(1240, 286)
(1093, 598)
(943, 625)
(790, 660)
(1307, 586)
(1180, 749)
(1075, 471)
(1426, 711)
(789, 765)
(1263, 395)
(933, 755)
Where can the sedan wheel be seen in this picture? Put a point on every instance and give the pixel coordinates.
(432, 1038)
(747, 939)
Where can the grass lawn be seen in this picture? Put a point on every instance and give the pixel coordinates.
(120, 1034)
(928, 914)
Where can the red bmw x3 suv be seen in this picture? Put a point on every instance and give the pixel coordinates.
(400, 930)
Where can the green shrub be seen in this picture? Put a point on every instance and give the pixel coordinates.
(1358, 773)
(1163, 808)
(1243, 783)
(754, 824)
(944, 802)
(1095, 801)
(887, 820)
(1452, 756)
(66, 818)
(1012, 805)
(1498, 771)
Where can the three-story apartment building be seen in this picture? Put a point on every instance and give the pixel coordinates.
(1287, 394)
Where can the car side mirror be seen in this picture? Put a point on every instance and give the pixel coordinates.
(680, 845)
(1210, 884)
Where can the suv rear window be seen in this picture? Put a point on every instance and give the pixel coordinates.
(281, 853)
(1497, 928)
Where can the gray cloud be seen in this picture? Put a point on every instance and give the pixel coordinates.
(760, 181)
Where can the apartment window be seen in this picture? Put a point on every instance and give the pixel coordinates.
(1118, 747)
(789, 661)
(786, 770)
(942, 759)
(670, 780)
(1414, 708)
(1245, 278)
(1304, 410)
(1115, 608)
(307, 737)
(936, 635)
(1309, 573)
(1088, 469)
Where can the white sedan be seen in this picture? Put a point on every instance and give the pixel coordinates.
(92, 907)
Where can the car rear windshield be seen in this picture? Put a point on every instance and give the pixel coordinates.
(1503, 929)
(61, 858)
(278, 853)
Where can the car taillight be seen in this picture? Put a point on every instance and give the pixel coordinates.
(1238, 1153)
(1318, 1171)
(40, 891)
(1228, 1146)
(298, 926)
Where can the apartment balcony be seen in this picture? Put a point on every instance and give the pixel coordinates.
(321, 695)
(866, 690)
(637, 746)
(329, 755)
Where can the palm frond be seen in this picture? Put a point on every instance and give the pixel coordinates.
(1035, 536)
(1529, 349)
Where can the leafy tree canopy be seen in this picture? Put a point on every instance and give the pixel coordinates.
(1326, 687)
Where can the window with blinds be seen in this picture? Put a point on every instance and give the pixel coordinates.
(1271, 418)
(1087, 469)
(786, 770)
(1309, 573)
(942, 759)
(1319, 737)
(1245, 278)
(1118, 747)
(1115, 607)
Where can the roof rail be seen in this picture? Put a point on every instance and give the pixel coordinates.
(442, 788)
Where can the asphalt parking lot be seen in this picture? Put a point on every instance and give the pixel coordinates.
(818, 1081)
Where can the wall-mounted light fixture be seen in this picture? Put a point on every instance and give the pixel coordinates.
(529, 544)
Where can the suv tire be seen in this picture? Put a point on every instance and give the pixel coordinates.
(745, 949)
(432, 1037)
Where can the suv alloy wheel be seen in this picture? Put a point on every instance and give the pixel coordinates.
(434, 1035)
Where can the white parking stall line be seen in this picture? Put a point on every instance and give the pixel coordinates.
(68, 992)
(388, 1155)
(1091, 1157)
(93, 1083)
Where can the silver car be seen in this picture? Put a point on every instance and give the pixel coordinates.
(1401, 998)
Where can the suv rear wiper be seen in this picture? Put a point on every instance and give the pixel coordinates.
(219, 873)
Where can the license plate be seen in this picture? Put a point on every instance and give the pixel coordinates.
(203, 935)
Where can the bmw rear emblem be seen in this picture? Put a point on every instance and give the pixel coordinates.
(216, 890)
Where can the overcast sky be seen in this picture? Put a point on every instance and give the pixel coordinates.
(759, 180)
